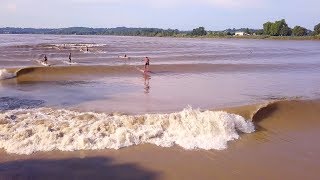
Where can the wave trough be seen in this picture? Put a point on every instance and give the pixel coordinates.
(25, 131)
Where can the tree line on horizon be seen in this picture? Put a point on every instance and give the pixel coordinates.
(277, 28)
(280, 28)
(120, 31)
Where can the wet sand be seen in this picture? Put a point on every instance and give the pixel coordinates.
(284, 146)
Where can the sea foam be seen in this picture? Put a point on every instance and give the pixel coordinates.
(4, 74)
(26, 131)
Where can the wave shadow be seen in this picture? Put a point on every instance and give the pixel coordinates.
(73, 168)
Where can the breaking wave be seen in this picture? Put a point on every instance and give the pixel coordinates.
(58, 72)
(25, 131)
(4, 74)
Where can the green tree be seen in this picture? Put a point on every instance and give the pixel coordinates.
(317, 29)
(285, 31)
(200, 31)
(247, 31)
(267, 27)
(259, 32)
(280, 28)
(299, 31)
(274, 29)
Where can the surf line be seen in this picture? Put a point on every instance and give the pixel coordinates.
(70, 63)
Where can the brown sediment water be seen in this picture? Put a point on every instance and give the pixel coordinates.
(60, 73)
(70, 72)
(103, 118)
(284, 145)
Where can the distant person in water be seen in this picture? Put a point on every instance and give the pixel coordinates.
(70, 57)
(45, 59)
(125, 55)
(87, 49)
(147, 63)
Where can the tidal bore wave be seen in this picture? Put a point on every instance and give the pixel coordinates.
(25, 131)
(73, 72)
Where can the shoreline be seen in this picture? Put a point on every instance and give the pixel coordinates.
(264, 37)
(248, 37)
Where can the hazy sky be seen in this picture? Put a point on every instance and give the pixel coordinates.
(180, 14)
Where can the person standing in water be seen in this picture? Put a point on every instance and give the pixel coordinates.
(70, 57)
(45, 59)
(147, 63)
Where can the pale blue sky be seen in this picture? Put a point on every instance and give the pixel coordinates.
(180, 14)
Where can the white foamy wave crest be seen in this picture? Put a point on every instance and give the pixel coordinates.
(44, 129)
(79, 45)
(4, 74)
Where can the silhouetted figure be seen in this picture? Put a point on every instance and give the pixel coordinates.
(70, 57)
(147, 63)
(45, 59)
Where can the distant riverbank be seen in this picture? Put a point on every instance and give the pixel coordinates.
(254, 37)
(156, 32)
(267, 37)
